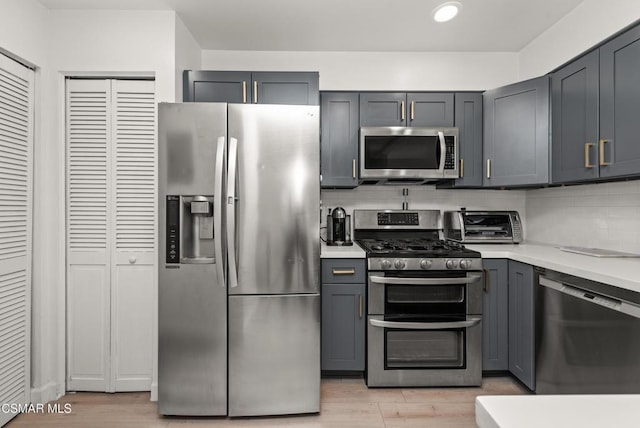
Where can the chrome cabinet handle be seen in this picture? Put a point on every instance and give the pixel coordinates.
(489, 168)
(353, 168)
(587, 155)
(461, 168)
(412, 109)
(244, 91)
(351, 271)
(360, 305)
(231, 212)
(601, 160)
(402, 115)
(218, 200)
(472, 321)
(255, 92)
(423, 281)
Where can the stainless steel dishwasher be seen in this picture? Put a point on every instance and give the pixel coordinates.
(587, 336)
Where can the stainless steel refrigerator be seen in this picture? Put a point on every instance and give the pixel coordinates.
(239, 305)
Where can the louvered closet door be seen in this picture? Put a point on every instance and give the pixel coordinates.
(88, 238)
(16, 148)
(133, 270)
(111, 226)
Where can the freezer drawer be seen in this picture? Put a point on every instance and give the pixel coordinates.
(274, 354)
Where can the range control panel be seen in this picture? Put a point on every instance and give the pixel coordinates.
(398, 219)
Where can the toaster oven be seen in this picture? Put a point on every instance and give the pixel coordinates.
(483, 227)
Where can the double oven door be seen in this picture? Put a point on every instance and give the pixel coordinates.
(424, 328)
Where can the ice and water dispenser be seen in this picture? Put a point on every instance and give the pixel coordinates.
(190, 237)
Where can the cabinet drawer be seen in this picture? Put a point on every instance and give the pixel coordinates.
(345, 271)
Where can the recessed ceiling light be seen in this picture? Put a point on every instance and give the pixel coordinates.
(446, 11)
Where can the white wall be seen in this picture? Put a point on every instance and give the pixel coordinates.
(584, 27)
(422, 197)
(187, 54)
(388, 71)
(605, 215)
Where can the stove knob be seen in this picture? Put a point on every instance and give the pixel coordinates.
(425, 264)
(465, 264)
(451, 264)
(385, 264)
(400, 264)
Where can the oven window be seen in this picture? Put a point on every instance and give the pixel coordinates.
(424, 349)
(401, 152)
(424, 302)
(486, 225)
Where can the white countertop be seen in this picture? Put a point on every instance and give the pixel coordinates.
(341, 252)
(620, 272)
(558, 411)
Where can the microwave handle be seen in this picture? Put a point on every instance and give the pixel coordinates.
(443, 151)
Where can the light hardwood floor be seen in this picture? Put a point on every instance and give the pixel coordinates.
(345, 402)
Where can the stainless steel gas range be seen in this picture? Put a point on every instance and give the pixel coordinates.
(424, 318)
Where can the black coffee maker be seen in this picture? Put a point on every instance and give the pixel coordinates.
(339, 227)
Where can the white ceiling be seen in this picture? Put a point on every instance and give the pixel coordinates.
(351, 25)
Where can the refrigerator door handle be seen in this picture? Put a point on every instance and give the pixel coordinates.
(218, 200)
(231, 212)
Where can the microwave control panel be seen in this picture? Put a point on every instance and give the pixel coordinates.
(450, 155)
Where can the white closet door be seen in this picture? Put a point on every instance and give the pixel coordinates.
(111, 272)
(88, 239)
(133, 268)
(16, 154)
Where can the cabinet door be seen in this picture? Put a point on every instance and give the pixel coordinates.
(383, 109)
(522, 323)
(468, 120)
(343, 326)
(516, 134)
(298, 88)
(430, 109)
(217, 86)
(495, 315)
(620, 104)
(339, 125)
(574, 97)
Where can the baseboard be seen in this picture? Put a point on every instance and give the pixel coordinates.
(154, 391)
(49, 392)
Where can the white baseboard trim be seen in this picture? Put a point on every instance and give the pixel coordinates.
(154, 391)
(49, 392)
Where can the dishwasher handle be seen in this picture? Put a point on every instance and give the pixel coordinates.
(589, 296)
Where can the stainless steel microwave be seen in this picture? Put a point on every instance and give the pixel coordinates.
(406, 154)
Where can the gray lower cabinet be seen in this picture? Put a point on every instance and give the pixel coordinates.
(339, 125)
(406, 109)
(574, 98)
(522, 323)
(300, 88)
(495, 316)
(343, 315)
(620, 104)
(516, 134)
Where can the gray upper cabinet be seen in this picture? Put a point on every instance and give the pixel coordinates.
(339, 124)
(574, 97)
(516, 134)
(406, 109)
(495, 315)
(300, 88)
(522, 323)
(619, 105)
(468, 120)
(216, 86)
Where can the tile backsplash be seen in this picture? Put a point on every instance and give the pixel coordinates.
(605, 215)
(421, 197)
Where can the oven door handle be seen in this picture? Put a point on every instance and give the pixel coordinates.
(472, 321)
(423, 281)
